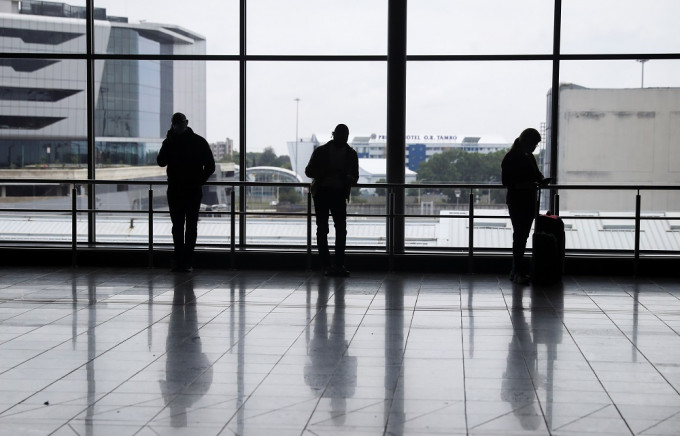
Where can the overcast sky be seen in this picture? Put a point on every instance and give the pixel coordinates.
(462, 98)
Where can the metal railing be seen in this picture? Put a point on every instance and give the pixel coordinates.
(391, 215)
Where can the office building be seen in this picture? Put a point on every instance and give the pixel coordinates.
(43, 102)
(419, 147)
(618, 137)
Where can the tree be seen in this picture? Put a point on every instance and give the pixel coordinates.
(459, 166)
(265, 158)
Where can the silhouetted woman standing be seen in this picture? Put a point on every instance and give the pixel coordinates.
(521, 176)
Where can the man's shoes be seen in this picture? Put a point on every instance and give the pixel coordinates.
(521, 279)
(336, 271)
(341, 271)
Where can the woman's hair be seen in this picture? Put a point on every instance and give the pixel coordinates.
(528, 136)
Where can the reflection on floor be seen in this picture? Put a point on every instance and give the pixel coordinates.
(147, 352)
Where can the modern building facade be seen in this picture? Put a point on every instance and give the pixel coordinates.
(43, 102)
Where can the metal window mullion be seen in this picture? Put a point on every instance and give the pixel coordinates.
(242, 124)
(89, 47)
(555, 94)
(396, 117)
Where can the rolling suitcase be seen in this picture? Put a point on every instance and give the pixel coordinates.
(547, 254)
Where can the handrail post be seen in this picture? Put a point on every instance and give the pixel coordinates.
(638, 204)
(309, 230)
(150, 226)
(471, 233)
(74, 225)
(232, 248)
(389, 236)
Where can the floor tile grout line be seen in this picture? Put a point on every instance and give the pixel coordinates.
(91, 360)
(88, 307)
(634, 344)
(592, 369)
(68, 422)
(403, 351)
(349, 343)
(238, 342)
(635, 297)
(584, 416)
(462, 349)
(515, 288)
(597, 302)
(659, 423)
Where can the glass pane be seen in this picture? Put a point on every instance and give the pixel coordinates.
(41, 27)
(317, 27)
(622, 74)
(461, 119)
(168, 27)
(620, 26)
(480, 27)
(629, 134)
(42, 117)
(41, 212)
(660, 229)
(303, 100)
(463, 116)
(135, 100)
(594, 230)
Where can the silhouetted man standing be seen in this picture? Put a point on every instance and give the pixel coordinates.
(190, 163)
(334, 168)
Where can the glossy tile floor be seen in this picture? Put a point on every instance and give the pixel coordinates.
(147, 352)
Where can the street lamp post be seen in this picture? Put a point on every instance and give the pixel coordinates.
(297, 112)
(642, 61)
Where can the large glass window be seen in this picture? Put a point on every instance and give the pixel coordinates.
(612, 130)
(620, 26)
(42, 27)
(311, 64)
(177, 27)
(317, 27)
(43, 130)
(479, 27)
(292, 108)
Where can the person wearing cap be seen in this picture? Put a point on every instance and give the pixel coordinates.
(190, 163)
(334, 168)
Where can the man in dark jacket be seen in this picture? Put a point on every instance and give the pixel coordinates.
(190, 163)
(334, 168)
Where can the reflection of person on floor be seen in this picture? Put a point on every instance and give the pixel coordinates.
(331, 373)
(188, 373)
(517, 388)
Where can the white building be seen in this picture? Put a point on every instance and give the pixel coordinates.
(372, 170)
(618, 136)
(419, 148)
